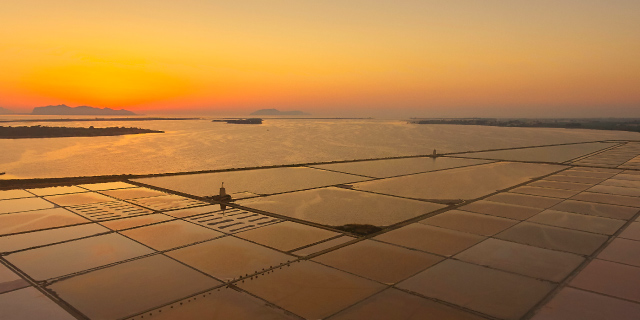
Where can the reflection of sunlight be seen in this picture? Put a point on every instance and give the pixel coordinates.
(203, 145)
(73, 150)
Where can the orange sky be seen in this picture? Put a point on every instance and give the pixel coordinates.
(413, 57)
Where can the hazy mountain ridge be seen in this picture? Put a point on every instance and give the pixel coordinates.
(81, 110)
(5, 111)
(276, 112)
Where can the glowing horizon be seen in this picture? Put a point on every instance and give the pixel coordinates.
(416, 56)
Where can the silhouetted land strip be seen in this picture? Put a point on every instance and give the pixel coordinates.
(95, 119)
(632, 125)
(57, 132)
(241, 121)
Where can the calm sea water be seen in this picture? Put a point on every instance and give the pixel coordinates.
(205, 145)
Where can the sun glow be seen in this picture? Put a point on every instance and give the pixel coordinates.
(324, 56)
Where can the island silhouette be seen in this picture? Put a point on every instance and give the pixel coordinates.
(57, 132)
(63, 109)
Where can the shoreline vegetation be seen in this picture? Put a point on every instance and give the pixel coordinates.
(632, 125)
(61, 132)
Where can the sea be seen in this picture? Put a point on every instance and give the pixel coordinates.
(193, 145)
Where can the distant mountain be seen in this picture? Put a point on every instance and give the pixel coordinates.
(82, 110)
(276, 112)
(5, 111)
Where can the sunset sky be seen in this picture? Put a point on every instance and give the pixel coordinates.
(541, 58)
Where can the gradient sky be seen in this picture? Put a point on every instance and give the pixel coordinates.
(541, 58)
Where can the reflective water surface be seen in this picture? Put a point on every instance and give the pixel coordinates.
(38, 219)
(378, 261)
(396, 167)
(229, 257)
(463, 183)
(69, 257)
(490, 291)
(543, 154)
(311, 290)
(265, 181)
(337, 207)
(31, 239)
(132, 287)
(525, 260)
(203, 145)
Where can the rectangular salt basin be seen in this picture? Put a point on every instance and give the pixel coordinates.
(493, 292)
(543, 154)
(106, 186)
(40, 238)
(578, 221)
(397, 167)
(172, 234)
(56, 190)
(14, 194)
(258, 181)
(322, 246)
(395, 304)
(522, 259)
(622, 191)
(25, 204)
(167, 202)
(560, 185)
(574, 304)
(10, 281)
(70, 257)
(182, 213)
(545, 192)
(79, 199)
(337, 207)
(577, 172)
(608, 199)
(461, 183)
(378, 261)
(436, 240)
(225, 303)
(480, 224)
(610, 278)
(504, 210)
(622, 183)
(132, 287)
(133, 222)
(30, 303)
(38, 219)
(227, 258)
(287, 236)
(554, 238)
(132, 193)
(108, 210)
(311, 290)
(597, 209)
(524, 200)
(562, 178)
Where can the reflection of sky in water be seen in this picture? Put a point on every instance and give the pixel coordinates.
(199, 145)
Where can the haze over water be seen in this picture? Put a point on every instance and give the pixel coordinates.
(205, 145)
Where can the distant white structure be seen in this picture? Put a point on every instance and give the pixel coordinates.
(223, 191)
